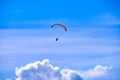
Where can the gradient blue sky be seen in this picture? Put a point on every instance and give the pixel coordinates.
(93, 36)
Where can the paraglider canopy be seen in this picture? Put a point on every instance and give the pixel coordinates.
(60, 25)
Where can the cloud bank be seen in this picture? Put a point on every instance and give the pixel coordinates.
(43, 70)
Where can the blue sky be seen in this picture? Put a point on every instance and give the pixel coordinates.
(89, 49)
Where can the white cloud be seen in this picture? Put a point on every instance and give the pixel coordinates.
(98, 71)
(43, 70)
(68, 74)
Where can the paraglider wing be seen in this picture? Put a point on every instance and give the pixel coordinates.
(64, 27)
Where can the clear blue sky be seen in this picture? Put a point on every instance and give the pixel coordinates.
(93, 36)
(32, 10)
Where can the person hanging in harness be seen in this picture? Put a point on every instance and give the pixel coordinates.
(56, 39)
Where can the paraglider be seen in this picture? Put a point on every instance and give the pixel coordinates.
(60, 25)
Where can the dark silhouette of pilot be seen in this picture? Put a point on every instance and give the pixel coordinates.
(56, 39)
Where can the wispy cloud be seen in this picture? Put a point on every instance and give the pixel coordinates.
(99, 21)
(105, 19)
(8, 79)
(36, 23)
(80, 38)
(43, 41)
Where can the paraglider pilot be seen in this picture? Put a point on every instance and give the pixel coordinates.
(56, 39)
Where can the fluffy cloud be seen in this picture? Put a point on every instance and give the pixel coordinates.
(98, 71)
(38, 71)
(43, 70)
